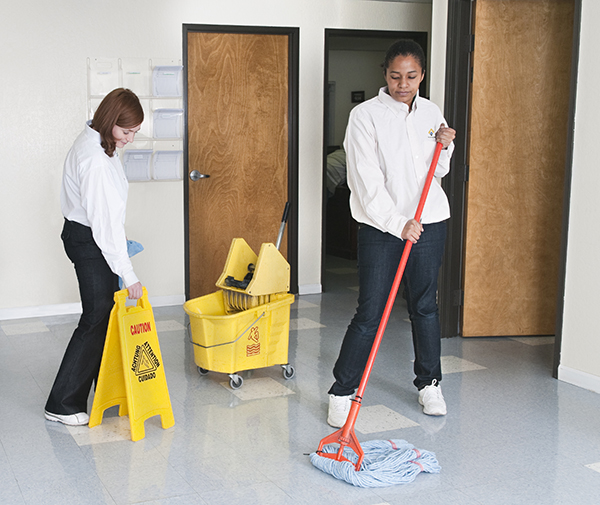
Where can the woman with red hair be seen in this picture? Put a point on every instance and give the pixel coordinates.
(93, 201)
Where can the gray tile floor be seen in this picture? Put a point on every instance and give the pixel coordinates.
(513, 435)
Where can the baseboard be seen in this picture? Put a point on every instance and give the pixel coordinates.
(310, 289)
(40, 311)
(75, 308)
(166, 301)
(579, 378)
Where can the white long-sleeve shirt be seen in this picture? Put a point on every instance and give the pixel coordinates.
(388, 153)
(94, 193)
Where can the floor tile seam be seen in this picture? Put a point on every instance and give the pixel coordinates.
(88, 448)
(106, 476)
(12, 344)
(311, 365)
(43, 390)
(201, 494)
(4, 327)
(12, 472)
(43, 482)
(507, 484)
(117, 498)
(23, 495)
(205, 497)
(230, 444)
(292, 497)
(330, 482)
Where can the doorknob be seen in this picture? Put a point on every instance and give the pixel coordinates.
(195, 175)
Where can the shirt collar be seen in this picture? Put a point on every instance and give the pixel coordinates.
(394, 105)
(90, 132)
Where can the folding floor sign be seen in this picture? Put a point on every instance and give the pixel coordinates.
(132, 374)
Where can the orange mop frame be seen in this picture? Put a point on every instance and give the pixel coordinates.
(346, 436)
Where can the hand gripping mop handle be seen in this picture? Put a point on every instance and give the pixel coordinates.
(346, 436)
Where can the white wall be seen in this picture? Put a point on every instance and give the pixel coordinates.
(437, 51)
(43, 108)
(365, 75)
(580, 351)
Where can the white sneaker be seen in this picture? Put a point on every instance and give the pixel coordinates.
(339, 408)
(432, 399)
(79, 419)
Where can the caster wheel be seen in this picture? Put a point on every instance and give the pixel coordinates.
(288, 372)
(236, 382)
(202, 371)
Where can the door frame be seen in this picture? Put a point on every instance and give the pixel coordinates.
(457, 105)
(419, 36)
(459, 46)
(293, 34)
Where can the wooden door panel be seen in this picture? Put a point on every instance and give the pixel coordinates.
(238, 134)
(519, 117)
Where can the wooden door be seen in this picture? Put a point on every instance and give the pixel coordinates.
(237, 131)
(519, 115)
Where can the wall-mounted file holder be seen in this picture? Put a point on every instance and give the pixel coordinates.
(103, 75)
(136, 163)
(167, 165)
(159, 86)
(167, 80)
(168, 123)
(136, 75)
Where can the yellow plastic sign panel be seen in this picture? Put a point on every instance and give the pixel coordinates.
(132, 374)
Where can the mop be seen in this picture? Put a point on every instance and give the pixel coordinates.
(381, 463)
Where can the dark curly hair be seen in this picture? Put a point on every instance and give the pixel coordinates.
(404, 47)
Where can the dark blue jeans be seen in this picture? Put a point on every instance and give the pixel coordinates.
(378, 258)
(97, 284)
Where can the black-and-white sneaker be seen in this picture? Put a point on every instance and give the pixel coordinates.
(432, 399)
(79, 419)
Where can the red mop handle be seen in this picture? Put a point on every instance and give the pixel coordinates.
(399, 273)
(346, 436)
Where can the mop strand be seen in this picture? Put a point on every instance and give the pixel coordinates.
(386, 463)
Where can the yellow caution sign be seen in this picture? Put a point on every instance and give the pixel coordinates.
(132, 373)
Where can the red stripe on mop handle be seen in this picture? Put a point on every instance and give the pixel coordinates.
(345, 436)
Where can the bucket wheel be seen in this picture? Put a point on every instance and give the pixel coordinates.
(235, 381)
(202, 371)
(288, 371)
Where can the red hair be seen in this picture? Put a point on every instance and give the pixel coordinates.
(121, 107)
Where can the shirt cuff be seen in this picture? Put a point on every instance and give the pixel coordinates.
(396, 224)
(130, 279)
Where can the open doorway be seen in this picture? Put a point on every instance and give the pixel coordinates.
(353, 73)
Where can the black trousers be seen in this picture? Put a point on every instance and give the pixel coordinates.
(97, 284)
(379, 254)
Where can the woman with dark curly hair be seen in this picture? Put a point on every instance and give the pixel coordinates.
(390, 140)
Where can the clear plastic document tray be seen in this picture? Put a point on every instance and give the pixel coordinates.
(168, 165)
(167, 123)
(167, 80)
(136, 163)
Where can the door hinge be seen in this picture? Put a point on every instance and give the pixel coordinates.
(466, 173)
(459, 298)
(472, 48)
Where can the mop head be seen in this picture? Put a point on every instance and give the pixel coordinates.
(386, 463)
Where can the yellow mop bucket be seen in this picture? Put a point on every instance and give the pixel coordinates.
(245, 327)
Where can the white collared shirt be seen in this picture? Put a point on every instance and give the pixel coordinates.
(388, 151)
(94, 193)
